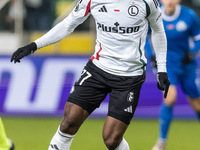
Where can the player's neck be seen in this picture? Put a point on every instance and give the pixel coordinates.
(170, 12)
(171, 15)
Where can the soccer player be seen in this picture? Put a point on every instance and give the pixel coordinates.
(117, 66)
(5, 143)
(181, 24)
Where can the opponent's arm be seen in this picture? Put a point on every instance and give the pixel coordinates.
(79, 14)
(150, 53)
(159, 42)
(195, 34)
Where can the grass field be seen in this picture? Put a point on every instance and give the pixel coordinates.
(35, 134)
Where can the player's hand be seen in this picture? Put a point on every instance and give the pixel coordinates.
(23, 51)
(188, 58)
(153, 64)
(163, 82)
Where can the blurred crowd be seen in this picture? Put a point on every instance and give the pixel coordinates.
(39, 15)
(194, 4)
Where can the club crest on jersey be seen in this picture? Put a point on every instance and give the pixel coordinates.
(130, 97)
(181, 26)
(133, 10)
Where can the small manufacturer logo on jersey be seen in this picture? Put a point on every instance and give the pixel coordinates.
(181, 26)
(129, 109)
(133, 10)
(130, 97)
(170, 27)
(103, 9)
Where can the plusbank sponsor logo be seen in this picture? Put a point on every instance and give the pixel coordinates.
(37, 88)
(117, 28)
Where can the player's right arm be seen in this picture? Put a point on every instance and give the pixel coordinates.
(78, 15)
(158, 36)
(159, 42)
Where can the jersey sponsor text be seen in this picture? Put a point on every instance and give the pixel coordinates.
(117, 28)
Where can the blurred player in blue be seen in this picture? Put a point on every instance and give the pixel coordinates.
(180, 25)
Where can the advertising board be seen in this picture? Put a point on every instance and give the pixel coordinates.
(39, 85)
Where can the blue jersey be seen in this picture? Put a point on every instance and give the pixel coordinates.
(179, 29)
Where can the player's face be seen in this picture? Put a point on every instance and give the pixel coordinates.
(170, 5)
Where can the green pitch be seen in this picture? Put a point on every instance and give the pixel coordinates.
(35, 134)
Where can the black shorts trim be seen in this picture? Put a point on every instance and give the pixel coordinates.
(85, 105)
(123, 118)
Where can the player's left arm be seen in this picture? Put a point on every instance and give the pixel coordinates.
(194, 32)
(159, 42)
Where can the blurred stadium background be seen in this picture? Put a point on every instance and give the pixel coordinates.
(33, 93)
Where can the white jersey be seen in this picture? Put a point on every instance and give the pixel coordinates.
(121, 27)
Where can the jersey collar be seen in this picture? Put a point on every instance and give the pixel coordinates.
(173, 17)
